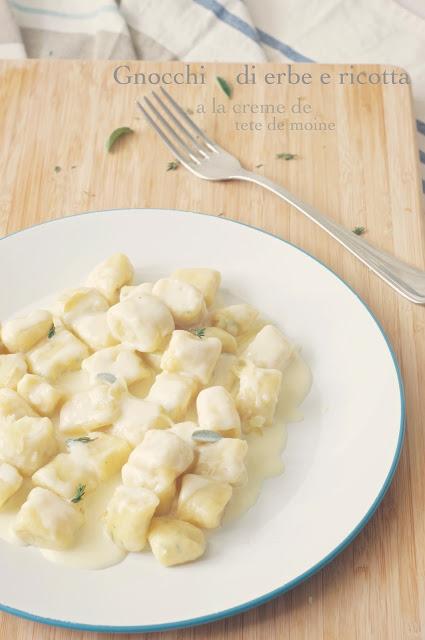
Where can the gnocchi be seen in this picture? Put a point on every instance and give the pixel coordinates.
(137, 417)
(202, 500)
(120, 361)
(206, 280)
(185, 430)
(143, 322)
(217, 411)
(223, 461)
(84, 312)
(12, 405)
(48, 521)
(43, 396)
(60, 351)
(21, 334)
(13, 367)
(157, 461)
(139, 400)
(64, 474)
(236, 319)
(173, 392)
(166, 498)
(185, 302)
(92, 409)
(175, 541)
(93, 329)
(228, 342)
(258, 395)
(10, 482)
(128, 516)
(269, 349)
(224, 373)
(74, 303)
(135, 290)
(27, 443)
(110, 275)
(191, 355)
(104, 452)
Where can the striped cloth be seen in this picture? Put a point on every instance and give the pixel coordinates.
(358, 31)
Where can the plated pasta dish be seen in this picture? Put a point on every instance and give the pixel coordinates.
(137, 418)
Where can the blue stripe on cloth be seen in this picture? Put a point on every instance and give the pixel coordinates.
(60, 14)
(287, 51)
(257, 35)
(420, 126)
(422, 156)
(225, 16)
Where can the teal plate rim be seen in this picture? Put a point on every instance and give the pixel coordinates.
(219, 615)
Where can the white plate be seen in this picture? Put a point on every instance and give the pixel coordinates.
(338, 462)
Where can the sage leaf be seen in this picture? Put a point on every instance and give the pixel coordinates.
(121, 131)
(83, 439)
(107, 377)
(205, 435)
(225, 86)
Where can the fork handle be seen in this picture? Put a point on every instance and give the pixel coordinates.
(407, 280)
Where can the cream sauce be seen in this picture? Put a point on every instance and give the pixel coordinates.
(9, 511)
(265, 447)
(93, 548)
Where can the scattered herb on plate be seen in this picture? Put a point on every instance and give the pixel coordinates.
(199, 331)
(52, 331)
(286, 156)
(107, 377)
(205, 435)
(173, 165)
(83, 439)
(79, 493)
(224, 86)
(115, 135)
(359, 231)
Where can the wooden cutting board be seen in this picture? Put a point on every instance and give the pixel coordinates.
(55, 117)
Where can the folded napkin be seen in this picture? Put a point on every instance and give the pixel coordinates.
(360, 31)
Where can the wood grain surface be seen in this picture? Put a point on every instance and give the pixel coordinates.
(55, 117)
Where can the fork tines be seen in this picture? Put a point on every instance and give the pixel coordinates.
(192, 145)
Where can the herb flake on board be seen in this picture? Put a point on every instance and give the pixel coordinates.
(286, 156)
(173, 165)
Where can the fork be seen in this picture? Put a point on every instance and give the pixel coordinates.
(207, 160)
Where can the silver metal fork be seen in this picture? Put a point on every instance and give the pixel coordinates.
(206, 159)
